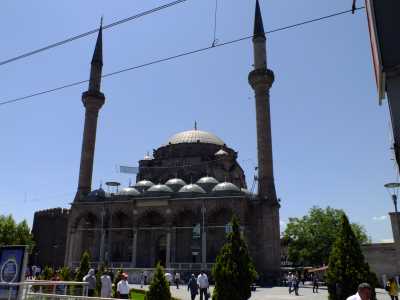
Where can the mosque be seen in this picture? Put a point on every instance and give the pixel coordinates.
(178, 210)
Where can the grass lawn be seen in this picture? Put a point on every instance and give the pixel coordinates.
(137, 296)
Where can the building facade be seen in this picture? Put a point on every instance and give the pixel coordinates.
(384, 258)
(179, 209)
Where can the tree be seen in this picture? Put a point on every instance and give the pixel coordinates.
(65, 274)
(311, 237)
(233, 271)
(159, 287)
(347, 267)
(12, 233)
(99, 273)
(117, 278)
(47, 273)
(83, 266)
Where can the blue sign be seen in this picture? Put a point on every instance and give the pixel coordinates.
(11, 269)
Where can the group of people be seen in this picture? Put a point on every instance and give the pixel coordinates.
(199, 285)
(196, 285)
(122, 289)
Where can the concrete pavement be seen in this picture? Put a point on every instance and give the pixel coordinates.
(276, 293)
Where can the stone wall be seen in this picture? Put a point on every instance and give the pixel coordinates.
(163, 227)
(49, 233)
(384, 258)
(381, 258)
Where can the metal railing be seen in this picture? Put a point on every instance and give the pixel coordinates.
(31, 289)
(42, 296)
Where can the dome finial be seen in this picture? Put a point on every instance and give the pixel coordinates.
(195, 125)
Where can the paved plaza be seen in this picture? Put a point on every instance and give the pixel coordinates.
(276, 293)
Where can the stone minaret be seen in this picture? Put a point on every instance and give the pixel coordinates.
(93, 100)
(265, 213)
(261, 79)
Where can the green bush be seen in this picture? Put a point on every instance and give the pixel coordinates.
(347, 267)
(159, 287)
(233, 271)
(65, 274)
(83, 266)
(117, 278)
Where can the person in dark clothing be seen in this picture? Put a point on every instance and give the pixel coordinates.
(193, 287)
(296, 282)
(315, 284)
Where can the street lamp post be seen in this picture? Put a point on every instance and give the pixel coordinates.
(203, 238)
(393, 189)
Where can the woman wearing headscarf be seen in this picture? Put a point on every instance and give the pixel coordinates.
(90, 278)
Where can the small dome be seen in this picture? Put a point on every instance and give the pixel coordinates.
(98, 194)
(193, 189)
(175, 181)
(207, 183)
(129, 191)
(207, 179)
(160, 188)
(143, 185)
(221, 152)
(195, 136)
(225, 187)
(175, 184)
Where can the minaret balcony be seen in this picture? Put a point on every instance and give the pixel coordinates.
(261, 78)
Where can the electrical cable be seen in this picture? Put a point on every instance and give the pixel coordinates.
(76, 37)
(174, 57)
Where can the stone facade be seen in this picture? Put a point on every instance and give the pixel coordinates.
(49, 232)
(384, 258)
(183, 226)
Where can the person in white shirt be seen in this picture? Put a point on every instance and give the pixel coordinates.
(106, 287)
(123, 287)
(177, 279)
(202, 282)
(363, 293)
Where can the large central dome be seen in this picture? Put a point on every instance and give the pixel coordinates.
(195, 136)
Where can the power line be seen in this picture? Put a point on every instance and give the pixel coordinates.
(79, 36)
(174, 57)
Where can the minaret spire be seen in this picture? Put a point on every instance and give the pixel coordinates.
(261, 79)
(97, 62)
(93, 99)
(258, 23)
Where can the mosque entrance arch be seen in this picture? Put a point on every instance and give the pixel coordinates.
(161, 250)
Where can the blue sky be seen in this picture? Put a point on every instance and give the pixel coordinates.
(331, 139)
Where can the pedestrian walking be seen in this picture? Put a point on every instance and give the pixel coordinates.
(290, 282)
(193, 287)
(177, 279)
(363, 292)
(393, 289)
(315, 284)
(123, 287)
(202, 281)
(106, 285)
(90, 278)
(296, 282)
(145, 276)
